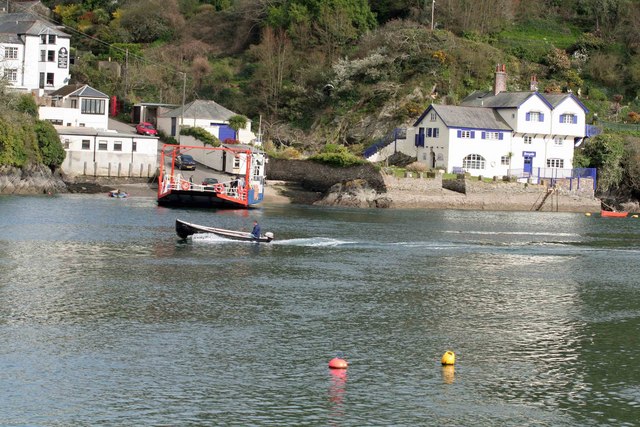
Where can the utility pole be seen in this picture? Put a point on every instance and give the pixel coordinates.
(433, 9)
(184, 92)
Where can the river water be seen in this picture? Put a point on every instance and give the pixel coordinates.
(106, 318)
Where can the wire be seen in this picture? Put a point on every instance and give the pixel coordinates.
(25, 9)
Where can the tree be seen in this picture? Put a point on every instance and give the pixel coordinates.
(606, 153)
(152, 20)
(274, 57)
(53, 153)
(237, 122)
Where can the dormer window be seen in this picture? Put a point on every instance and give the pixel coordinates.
(569, 118)
(535, 116)
(47, 39)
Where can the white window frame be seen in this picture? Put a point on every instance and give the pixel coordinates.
(10, 52)
(103, 145)
(86, 144)
(505, 160)
(558, 141)
(534, 116)
(117, 146)
(567, 118)
(528, 140)
(555, 163)
(465, 134)
(433, 116)
(492, 135)
(11, 74)
(474, 161)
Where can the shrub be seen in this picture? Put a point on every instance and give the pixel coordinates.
(417, 167)
(53, 153)
(201, 135)
(338, 156)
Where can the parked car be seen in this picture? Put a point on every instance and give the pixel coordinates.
(186, 162)
(146, 128)
(209, 182)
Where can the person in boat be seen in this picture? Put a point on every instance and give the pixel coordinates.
(256, 230)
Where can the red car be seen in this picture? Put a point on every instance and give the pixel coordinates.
(146, 128)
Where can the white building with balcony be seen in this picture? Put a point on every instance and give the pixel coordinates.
(76, 106)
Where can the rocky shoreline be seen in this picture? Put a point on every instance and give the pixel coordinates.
(399, 193)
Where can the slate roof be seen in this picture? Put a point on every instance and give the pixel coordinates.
(78, 90)
(202, 109)
(26, 23)
(501, 100)
(467, 117)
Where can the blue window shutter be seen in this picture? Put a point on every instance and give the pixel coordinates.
(484, 135)
(415, 139)
(561, 118)
(429, 132)
(473, 134)
(500, 136)
(541, 117)
(528, 117)
(575, 119)
(459, 134)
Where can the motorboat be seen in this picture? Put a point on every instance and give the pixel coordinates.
(185, 229)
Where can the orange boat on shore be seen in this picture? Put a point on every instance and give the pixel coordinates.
(613, 214)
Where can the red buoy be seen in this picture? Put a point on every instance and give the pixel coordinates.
(338, 363)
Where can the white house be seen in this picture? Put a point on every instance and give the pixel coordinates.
(110, 154)
(499, 133)
(34, 55)
(208, 115)
(77, 106)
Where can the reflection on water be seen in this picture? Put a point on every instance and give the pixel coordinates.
(103, 307)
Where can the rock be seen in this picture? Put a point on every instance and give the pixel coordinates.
(356, 193)
(32, 179)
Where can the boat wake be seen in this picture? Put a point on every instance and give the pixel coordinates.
(314, 242)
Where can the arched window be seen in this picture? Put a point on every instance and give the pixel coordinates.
(473, 161)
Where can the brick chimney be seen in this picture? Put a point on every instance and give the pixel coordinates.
(533, 85)
(500, 84)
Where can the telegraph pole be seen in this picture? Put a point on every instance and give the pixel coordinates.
(433, 9)
(184, 91)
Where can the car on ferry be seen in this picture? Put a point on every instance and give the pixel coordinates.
(185, 162)
(209, 182)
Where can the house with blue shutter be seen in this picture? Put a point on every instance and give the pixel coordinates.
(498, 133)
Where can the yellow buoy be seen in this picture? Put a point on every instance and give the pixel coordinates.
(634, 216)
(588, 214)
(449, 358)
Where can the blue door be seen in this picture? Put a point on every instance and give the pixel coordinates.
(225, 132)
(527, 164)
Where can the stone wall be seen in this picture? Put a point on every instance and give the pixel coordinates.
(314, 176)
(564, 186)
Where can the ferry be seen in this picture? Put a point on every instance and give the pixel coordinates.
(238, 169)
